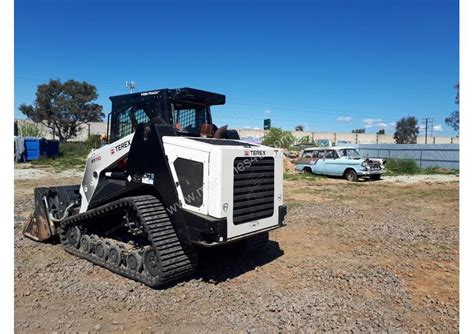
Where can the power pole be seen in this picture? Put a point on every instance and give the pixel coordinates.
(428, 120)
(131, 85)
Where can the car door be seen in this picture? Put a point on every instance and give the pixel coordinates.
(331, 163)
(305, 160)
(318, 162)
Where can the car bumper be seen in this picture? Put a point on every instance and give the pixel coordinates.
(370, 172)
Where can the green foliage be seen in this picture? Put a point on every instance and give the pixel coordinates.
(410, 167)
(381, 132)
(64, 107)
(402, 166)
(28, 129)
(276, 137)
(358, 131)
(93, 141)
(406, 130)
(438, 170)
(306, 140)
(299, 128)
(72, 155)
(453, 119)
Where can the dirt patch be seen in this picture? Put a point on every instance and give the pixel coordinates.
(363, 257)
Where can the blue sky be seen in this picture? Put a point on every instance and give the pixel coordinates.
(329, 65)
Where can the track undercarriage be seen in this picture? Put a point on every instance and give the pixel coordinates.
(133, 237)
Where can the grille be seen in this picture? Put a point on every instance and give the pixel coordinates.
(374, 165)
(253, 189)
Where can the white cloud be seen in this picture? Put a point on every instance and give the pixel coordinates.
(256, 128)
(267, 112)
(344, 119)
(393, 124)
(382, 125)
(246, 126)
(438, 128)
(372, 122)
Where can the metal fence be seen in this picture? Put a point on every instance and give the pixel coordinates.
(430, 155)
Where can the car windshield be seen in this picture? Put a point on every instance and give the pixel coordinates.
(349, 153)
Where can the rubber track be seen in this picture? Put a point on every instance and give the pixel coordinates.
(177, 260)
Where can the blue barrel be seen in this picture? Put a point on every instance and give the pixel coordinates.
(32, 148)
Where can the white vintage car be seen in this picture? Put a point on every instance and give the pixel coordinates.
(339, 161)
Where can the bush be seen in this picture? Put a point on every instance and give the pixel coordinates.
(71, 154)
(94, 141)
(28, 129)
(279, 138)
(402, 166)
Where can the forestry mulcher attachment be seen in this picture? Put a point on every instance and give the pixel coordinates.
(168, 181)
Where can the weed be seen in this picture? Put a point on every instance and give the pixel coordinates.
(402, 166)
(410, 167)
(72, 155)
(301, 177)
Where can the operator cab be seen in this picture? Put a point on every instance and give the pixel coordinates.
(186, 110)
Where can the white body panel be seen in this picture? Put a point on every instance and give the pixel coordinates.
(218, 187)
(218, 176)
(97, 161)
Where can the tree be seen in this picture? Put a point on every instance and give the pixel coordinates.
(453, 119)
(299, 128)
(381, 132)
(406, 130)
(64, 107)
(358, 131)
(277, 137)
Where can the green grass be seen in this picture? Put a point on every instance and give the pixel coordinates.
(438, 170)
(402, 167)
(301, 177)
(71, 156)
(410, 167)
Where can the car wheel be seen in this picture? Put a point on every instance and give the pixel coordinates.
(350, 175)
(307, 170)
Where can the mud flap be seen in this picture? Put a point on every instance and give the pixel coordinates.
(39, 227)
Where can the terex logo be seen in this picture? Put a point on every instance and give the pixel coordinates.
(258, 153)
(123, 145)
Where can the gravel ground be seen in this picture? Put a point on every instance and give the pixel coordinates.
(421, 178)
(356, 257)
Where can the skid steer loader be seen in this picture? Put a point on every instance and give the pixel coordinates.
(168, 181)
